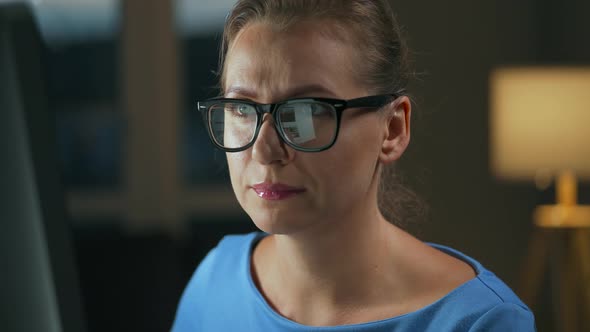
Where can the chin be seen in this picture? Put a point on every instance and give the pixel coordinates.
(279, 223)
(278, 217)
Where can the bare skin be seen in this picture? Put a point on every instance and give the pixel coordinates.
(331, 258)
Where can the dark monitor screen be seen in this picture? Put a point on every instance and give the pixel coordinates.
(38, 280)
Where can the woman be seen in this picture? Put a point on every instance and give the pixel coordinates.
(313, 109)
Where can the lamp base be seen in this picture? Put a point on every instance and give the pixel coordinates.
(561, 239)
(560, 244)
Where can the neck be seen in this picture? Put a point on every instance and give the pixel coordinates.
(330, 265)
(322, 274)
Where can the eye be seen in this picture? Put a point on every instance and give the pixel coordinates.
(321, 110)
(240, 110)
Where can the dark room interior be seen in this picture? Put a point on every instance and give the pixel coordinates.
(127, 194)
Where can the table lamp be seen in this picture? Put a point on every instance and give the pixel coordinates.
(540, 127)
(540, 130)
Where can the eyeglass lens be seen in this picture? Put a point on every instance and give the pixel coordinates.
(309, 124)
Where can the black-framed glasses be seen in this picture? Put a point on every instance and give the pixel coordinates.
(305, 124)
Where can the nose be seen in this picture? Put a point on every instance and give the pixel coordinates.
(269, 148)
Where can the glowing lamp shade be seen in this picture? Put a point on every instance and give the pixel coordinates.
(540, 122)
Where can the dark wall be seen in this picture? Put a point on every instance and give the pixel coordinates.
(456, 44)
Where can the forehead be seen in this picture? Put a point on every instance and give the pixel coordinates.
(272, 64)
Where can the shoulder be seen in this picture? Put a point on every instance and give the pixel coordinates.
(229, 251)
(485, 281)
(484, 303)
(229, 254)
(217, 277)
(506, 317)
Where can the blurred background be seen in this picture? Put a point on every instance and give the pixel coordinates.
(147, 195)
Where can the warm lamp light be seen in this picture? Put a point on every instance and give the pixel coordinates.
(539, 128)
(540, 122)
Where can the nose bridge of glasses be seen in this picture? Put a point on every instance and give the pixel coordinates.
(270, 110)
(268, 113)
(265, 108)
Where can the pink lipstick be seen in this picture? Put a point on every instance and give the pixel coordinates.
(275, 191)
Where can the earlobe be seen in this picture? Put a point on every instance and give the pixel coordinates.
(397, 130)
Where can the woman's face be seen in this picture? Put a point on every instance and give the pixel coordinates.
(283, 190)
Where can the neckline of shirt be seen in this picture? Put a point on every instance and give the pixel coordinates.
(287, 323)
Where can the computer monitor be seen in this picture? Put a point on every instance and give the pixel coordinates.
(38, 278)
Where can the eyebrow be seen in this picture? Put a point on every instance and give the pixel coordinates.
(308, 90)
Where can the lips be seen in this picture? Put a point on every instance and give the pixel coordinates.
(276, 191)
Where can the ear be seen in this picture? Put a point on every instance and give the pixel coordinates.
(397, 130)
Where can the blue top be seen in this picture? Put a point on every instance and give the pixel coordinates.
(221, 296)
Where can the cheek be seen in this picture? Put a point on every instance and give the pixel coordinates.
(345, 176)
(354, 157)
(236, 163)
(236, 160)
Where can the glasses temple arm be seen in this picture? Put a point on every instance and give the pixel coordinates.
(371, 101)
